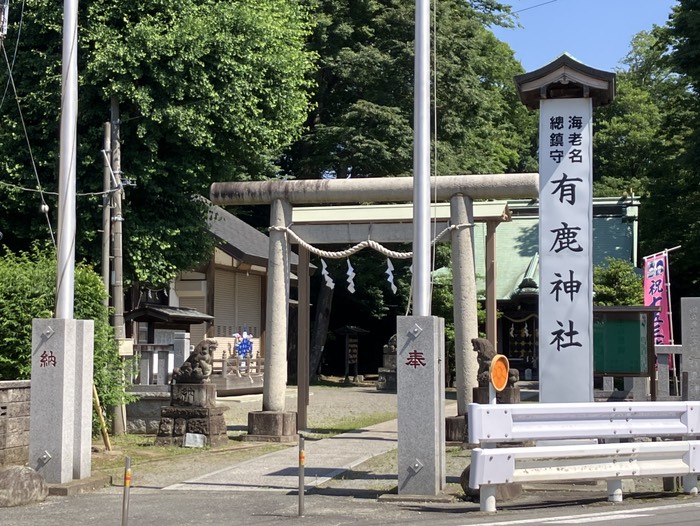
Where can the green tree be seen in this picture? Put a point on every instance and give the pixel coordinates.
(617, 283)
(640, 134)
(27, 291)
(646, 142)
(209, 90)
(676, 192)
(362, 122)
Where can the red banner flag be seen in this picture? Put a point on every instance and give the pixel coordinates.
(656, 293)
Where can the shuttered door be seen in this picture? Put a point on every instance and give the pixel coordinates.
(248, 308)
(224, 303)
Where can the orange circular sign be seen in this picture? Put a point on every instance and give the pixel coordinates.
(498, 372)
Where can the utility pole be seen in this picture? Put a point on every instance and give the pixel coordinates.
(119, 420)
(118, 288)
(106, 209)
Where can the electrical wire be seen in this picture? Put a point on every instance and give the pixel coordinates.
(44, 206)
(47, 192)
(14, 56)
(534, 6)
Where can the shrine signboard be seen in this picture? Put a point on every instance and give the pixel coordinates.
(566, 238)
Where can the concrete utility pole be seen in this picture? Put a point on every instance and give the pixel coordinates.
(119, 415)
(106, 209)
(118, 288)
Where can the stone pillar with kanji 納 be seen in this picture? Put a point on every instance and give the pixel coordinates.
(60, 421)
(565, 91)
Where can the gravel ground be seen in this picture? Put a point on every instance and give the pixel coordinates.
(329, 406)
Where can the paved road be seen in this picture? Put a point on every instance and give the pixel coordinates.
(177, 507)
(263, 491)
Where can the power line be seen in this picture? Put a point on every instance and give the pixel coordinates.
(46, 192)
(44, 206)
(534, 6)
(14, 56)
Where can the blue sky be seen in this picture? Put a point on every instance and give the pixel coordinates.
(595, 32)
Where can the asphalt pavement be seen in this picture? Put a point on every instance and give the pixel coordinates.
(264, 490)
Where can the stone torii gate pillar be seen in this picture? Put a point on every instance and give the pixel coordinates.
(273, 422)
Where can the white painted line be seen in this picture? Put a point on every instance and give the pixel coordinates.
(603, 518)
(607, 514)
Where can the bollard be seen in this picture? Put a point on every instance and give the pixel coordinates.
(302, 460)
(487, 498)
(690, 484)
(615, 490)
(127, 488)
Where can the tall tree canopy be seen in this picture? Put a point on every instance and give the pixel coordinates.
(640, 134)
(362, 122)
(209, 90)
(671, 213)
(648, 141)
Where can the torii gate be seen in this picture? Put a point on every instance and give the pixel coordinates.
(459, 190)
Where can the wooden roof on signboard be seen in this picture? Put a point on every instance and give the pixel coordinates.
(563, 78)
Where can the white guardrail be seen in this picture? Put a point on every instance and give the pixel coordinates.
(498, 423)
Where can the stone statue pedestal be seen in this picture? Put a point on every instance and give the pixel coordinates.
(193, 410)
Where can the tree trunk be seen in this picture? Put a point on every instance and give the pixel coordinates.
(320, 330)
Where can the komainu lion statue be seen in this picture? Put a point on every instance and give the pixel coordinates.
(199, 365)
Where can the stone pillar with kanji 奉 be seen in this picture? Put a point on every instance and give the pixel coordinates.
(420, 366)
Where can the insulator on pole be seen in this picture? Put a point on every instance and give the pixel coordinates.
(4, 13)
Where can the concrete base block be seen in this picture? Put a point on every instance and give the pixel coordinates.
(504, 492)
(76, 487)
(268, 426)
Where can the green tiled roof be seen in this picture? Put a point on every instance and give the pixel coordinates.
(517, 244)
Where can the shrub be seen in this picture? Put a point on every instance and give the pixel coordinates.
(28, 291)
(617, 283)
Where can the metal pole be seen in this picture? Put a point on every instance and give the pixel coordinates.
(302, 462)
(65, 278)
(106, 210)
(421, 163)
(491, 305)
(127, 491)
(303, 338)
